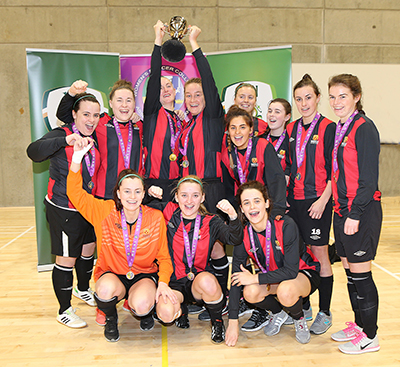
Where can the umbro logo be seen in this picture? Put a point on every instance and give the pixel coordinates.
(359, 253)
(291, 139)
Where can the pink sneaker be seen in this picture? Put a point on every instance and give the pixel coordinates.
(100, 317)
(361, 344)
(350, 333)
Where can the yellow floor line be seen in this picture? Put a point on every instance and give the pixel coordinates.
(164, 346)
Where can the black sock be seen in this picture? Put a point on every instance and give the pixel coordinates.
(215, 309)
(367, 296)
(351, 288)
(325, 294)
(296, 311)
(306, 303)
(108, 306)
(84, 269)
(62, 284)
(269, 303)
(221, 272)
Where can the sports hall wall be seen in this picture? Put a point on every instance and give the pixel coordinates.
(323, 33)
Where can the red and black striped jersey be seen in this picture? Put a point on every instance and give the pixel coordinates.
(282, 151)
(259, 127)
(287, 255)
(204, 132)
(263, 166)
(309, 180)
(212, 228)
(53, 146)
(358, 168)
(156, 129)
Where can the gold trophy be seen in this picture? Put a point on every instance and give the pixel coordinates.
(174, 50)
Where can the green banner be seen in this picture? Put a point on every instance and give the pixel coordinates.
(268, 69)
(50, 73)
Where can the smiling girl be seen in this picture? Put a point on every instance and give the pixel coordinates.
(72, 237)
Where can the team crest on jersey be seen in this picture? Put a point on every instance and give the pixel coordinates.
(118, 225)
(281, 154)
(254, 162)
(255, 133)
(344, 143)
(278, 245)
(146, 231)
(314, 139)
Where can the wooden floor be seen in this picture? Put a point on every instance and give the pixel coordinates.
(30, 335)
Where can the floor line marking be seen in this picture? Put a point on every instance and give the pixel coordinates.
(386, 271)
(9, 243)
(164, 345)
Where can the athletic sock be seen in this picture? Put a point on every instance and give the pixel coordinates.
(306, 303)
(215, 308)
(108, 306)
(325, 294)
(269, 303)
(367, 296)
(296, 311)
(84, 269)
(351, 288)
(62, 284)
(221, 272)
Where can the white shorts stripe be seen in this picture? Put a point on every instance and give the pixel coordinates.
(65, 244)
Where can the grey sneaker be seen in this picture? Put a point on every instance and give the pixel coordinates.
(275, 323)
(307, 315)
(321, 323)
(244, 308)
(302, 333)
(257, 320)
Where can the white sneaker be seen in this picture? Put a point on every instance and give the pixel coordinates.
(302, 333)
(85, 296)
(275, 323)
(307, 315)
(68, 318)
(347, 334)
(361, 344)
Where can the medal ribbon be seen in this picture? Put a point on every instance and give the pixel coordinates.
(89, 165)
(279, 142)
(340, 131)
(267, 246)
(185, 144)
(174, 136)
(131, 252)
(126, 154)
(241, 171)
(300, 151)
(191, 252)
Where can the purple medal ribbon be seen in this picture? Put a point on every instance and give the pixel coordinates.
(185, 144)
(131, 252)
(340, 131)
(267, 246)
(191, 252)
(300, 151)
(279, 142)
(90, 165)
(174, 136)
(126, 154)
(241, 173)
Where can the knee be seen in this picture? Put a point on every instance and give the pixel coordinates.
(251, 293)
(166, 312)
(141, 306)
(208, 284)
(287, 294)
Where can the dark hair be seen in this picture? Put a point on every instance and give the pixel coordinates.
(350, 81)
(286, 105)
(193, 81)
(124, 174)
(79, 98)
(196, 180)
(121, 84)
(236, 111)
(242, 85)
(307, 81)
(256, 185)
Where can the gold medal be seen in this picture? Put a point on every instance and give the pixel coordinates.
(185, 163)
(130, 275)
(90, 185)
(172, 157)
(190, 275)
(298, 176)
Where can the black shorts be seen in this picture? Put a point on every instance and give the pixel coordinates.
(68, 231)
(129, 283)
(313, 277)
(184, 285)
(313, 231)
(361, 246)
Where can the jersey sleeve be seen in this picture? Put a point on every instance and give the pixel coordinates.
(152, 103)
(229, 234)
(329, 142)
(239, 258)
(64, 110)
(291, 258)
(368, 148)
(43, 148)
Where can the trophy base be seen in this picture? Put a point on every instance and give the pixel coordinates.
(173, 50)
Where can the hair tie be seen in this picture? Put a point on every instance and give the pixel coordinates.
(189, 178)
(85, 96)
(130, 175)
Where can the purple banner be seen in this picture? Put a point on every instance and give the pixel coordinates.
(137, 70)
